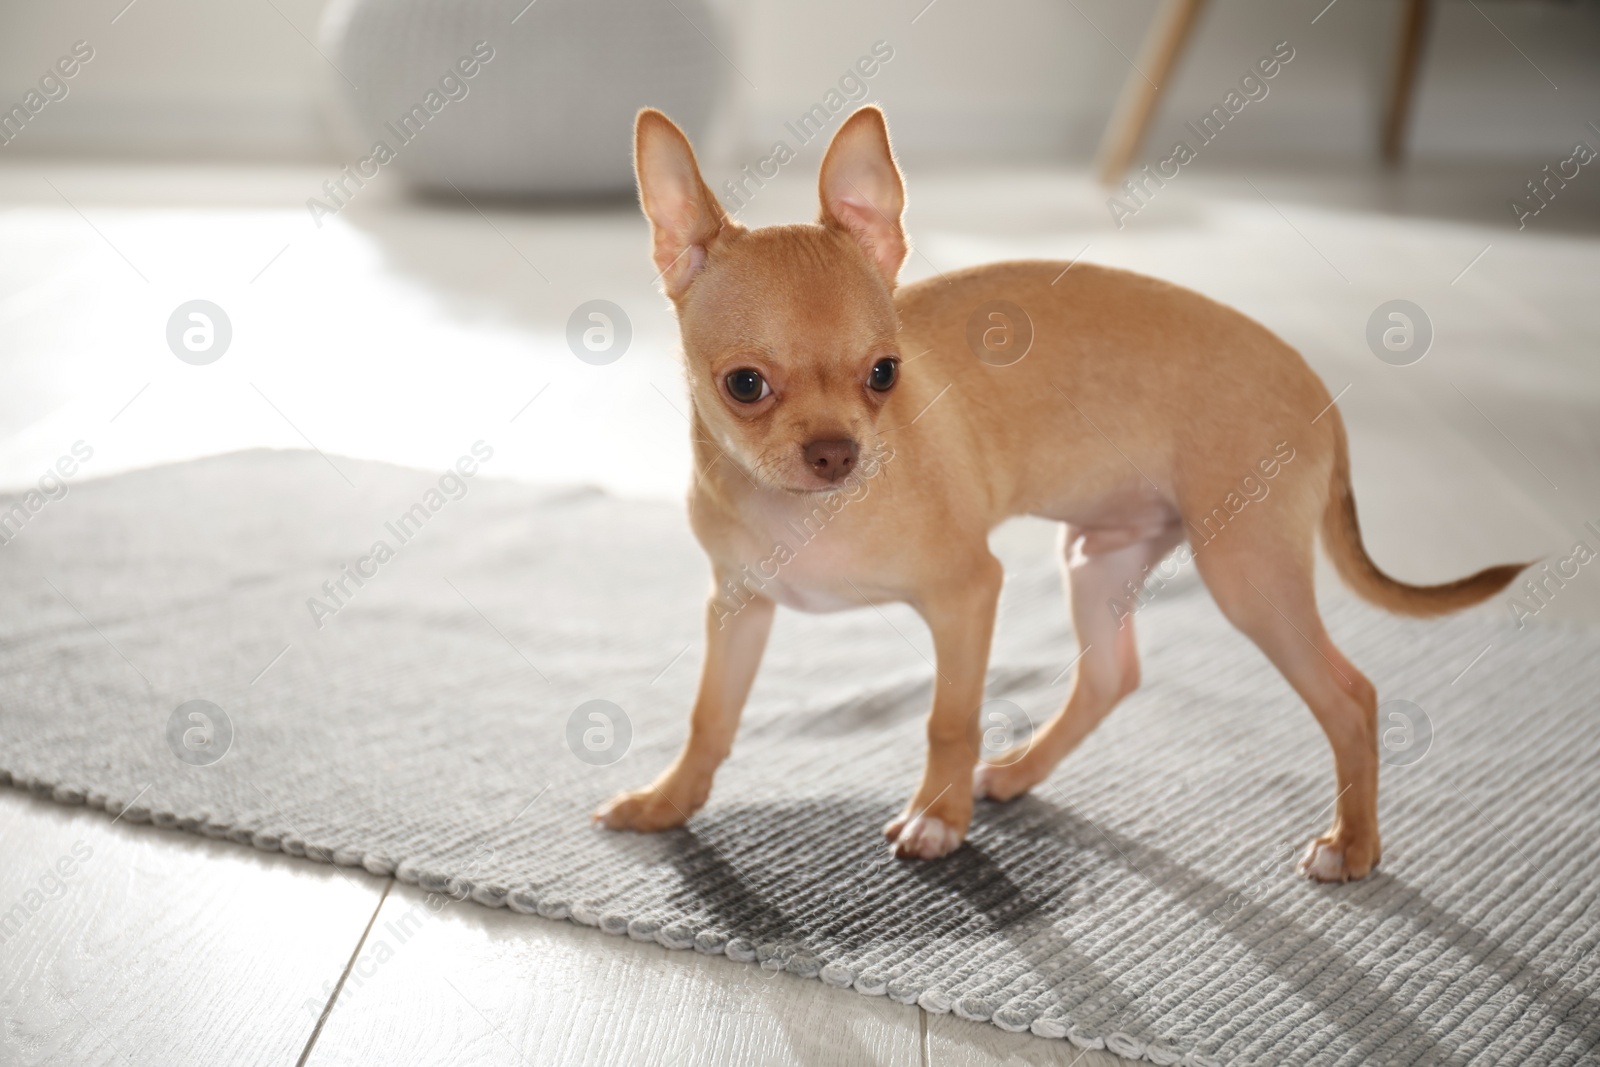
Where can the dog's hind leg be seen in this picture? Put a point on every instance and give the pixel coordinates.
(1262, 580)
(1105, 572)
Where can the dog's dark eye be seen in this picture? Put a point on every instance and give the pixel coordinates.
(747, 386)
(884, 372)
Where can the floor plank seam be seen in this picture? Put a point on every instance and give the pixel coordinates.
(333, 998)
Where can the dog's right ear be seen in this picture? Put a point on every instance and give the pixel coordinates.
(684, 217)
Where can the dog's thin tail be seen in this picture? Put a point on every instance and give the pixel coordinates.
(1341, 539)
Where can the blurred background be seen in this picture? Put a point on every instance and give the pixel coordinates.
(1021, 80)
(398, 305)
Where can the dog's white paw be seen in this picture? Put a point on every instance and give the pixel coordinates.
(1001, 781)
(1323, 862)
(926, 838)
(1330, 859)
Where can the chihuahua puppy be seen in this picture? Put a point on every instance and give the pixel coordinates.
(1133, 418)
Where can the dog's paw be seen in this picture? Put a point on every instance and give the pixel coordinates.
(1328, 859)
(1002, 780)
(646, 810)
(923, 837)
(928, 829)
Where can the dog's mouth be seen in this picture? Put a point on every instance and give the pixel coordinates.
(809, 484)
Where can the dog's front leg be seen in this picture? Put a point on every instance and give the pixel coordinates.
(962, 621)
(734, 643)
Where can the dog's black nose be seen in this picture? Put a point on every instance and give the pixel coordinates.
(831, 459)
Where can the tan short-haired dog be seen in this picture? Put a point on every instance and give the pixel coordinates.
(1138, 418)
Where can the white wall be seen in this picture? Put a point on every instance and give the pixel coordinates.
(199, 78)
(980, 79)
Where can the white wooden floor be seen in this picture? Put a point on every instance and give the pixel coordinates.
(392, 333)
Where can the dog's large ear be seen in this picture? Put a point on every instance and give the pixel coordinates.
(861, 190)
(684, 217)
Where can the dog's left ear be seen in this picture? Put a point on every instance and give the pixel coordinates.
(862, 193)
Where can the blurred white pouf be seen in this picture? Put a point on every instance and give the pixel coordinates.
(507, 98)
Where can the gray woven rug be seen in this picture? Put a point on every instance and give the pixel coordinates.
(1143, 900)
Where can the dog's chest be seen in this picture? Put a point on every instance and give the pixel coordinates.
(802, 559)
